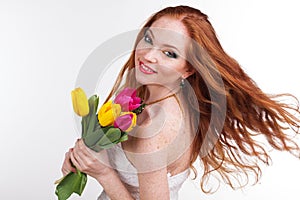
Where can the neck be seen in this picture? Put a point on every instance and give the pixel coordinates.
(157, 92)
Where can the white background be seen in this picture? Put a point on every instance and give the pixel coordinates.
(43, 45)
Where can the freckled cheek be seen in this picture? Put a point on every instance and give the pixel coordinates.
(139, 53)
(169, 71)
(141, 48)
(137, 56)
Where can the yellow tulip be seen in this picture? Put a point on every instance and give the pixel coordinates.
(80, 102)
(108, 113)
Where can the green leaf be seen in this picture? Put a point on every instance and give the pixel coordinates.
(96, 104)
(72, 183)
(123, 138)
(103, 141)
(105, 129)
(82, 182)
(97, 125)
(92, 138)
(84, 126)
(106, 146)
(92, 118)
(112, 135)
(93, 104)
(140, 109)
(91, 125)
(96, 148)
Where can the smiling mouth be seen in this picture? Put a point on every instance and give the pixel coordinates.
(145, 69)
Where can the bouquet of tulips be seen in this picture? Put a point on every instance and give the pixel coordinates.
(100, 130)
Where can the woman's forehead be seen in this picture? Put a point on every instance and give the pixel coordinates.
(168, 31)
(170, 23)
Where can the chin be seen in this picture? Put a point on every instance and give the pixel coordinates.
(141, 80)
(144, 80)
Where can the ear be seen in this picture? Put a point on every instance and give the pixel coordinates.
(188, 72)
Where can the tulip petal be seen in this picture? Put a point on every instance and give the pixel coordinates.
(126, 121)
(128, 100)
(80, 102)
(123, 122)
(108, 113)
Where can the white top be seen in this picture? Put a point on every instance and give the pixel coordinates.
(128, 174)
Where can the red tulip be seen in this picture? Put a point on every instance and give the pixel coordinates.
(128, 100)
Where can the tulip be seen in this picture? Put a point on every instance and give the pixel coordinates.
(126, 121)
(128, 100)
(80, 102)
(108, 113)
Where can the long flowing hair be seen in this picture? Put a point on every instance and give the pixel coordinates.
(250, 113)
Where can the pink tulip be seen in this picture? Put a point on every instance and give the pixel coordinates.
(128, 100)
(126, 121)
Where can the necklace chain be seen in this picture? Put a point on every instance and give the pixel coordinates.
(156, 101)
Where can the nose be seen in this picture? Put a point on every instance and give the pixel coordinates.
(151, 55)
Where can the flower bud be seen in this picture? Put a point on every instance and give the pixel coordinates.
(108, 113)
(128, 100)
(80, 102)
(126, 121)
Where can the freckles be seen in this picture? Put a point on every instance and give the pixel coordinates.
(140, 47)
(138, 53)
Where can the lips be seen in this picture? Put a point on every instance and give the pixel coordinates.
(146, 69)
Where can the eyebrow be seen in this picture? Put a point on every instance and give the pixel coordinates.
(166, 45)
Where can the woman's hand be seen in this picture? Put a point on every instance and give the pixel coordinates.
(67, 165)
(88, 161)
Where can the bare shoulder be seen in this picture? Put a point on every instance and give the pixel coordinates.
(164, 121)
(148, 145)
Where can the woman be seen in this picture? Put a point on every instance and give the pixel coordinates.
(200, 104)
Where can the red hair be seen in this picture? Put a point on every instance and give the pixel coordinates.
(249, 111)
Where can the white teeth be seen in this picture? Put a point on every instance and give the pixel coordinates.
(146, 68)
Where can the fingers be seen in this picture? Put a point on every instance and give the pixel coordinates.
(75, 157)
(81, 152)
(83, 158)
(76, 162)
(87, 161)
(67, 165)
(81, 149)
(80, 156)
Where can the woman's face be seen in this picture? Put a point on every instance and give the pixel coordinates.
(160, 55)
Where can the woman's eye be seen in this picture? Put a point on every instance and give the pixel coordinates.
(170, 54)
(147, 39)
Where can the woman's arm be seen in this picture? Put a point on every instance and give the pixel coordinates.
(114, 187)
(154, 185)
(151, 163)
(150, 154)
(91, 163)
